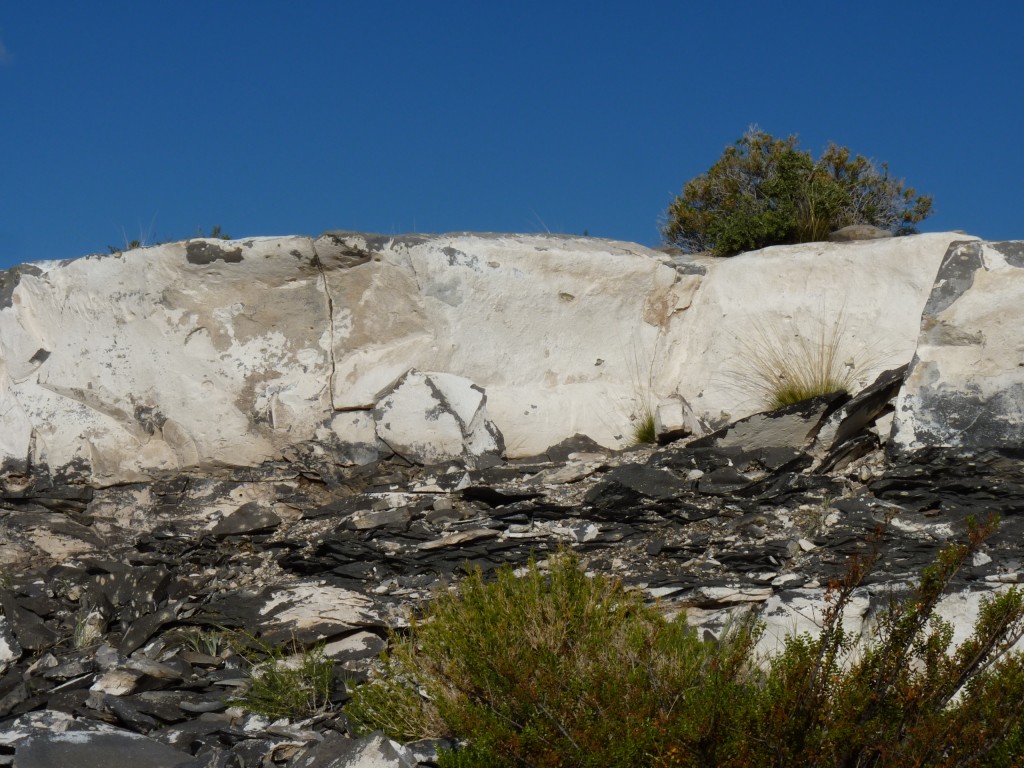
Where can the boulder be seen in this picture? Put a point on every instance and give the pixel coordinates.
(965, 386)
(869, 295)
(209, 355)
(183, 356)
(853, 232)
(674, 419)
(548, 326)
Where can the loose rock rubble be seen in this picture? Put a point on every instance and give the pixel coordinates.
(123, 606)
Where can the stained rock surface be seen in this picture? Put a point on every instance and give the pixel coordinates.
(966, 382)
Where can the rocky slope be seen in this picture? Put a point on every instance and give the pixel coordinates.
(149, 521)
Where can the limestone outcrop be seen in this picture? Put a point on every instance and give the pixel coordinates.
(206, 356)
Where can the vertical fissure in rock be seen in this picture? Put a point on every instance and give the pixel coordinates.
(330, 322)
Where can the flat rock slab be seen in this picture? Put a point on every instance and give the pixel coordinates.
(51, 739)
(307, 612)
(373, 751)
(249, 518)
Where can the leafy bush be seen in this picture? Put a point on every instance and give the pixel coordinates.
(907, 698)
(569, 670)
(557, 670)
(766, 191)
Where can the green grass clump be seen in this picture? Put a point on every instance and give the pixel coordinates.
(561, 669)
(644, 431)
(296, 686)
(781, 367)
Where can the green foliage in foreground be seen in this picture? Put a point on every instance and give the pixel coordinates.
(567, 670)
(767, 191)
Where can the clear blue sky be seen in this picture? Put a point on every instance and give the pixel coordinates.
(151, 120)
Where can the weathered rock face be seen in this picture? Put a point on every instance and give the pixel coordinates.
(295, 439)
(965, 387)
(190, 355)
(545, 325)
(206, 355)
(868, 294)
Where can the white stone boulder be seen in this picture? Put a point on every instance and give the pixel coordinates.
(674, 419)
(209, 355)
(429, 417)
(549, 326)
(187, 355)
(965, 386)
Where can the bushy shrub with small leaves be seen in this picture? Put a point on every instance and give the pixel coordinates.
(562, 669)
(767, 191)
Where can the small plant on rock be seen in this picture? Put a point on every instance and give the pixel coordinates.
(295, 686)
(781, 366)
(644, 429)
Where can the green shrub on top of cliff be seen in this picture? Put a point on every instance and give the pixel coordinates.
(766, 191)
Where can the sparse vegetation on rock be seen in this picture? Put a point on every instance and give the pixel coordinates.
(294, 685)
(143, 242)
(782, 366)
(767, 191)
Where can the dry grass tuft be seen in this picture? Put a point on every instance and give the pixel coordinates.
(782, 366)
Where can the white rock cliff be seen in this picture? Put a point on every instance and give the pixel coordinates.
(209, 354)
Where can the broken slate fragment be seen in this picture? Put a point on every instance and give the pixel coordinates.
(372, 751)
(10, 651)
(459, 539)
(49, 739)
(29, 630)
(248, 518)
